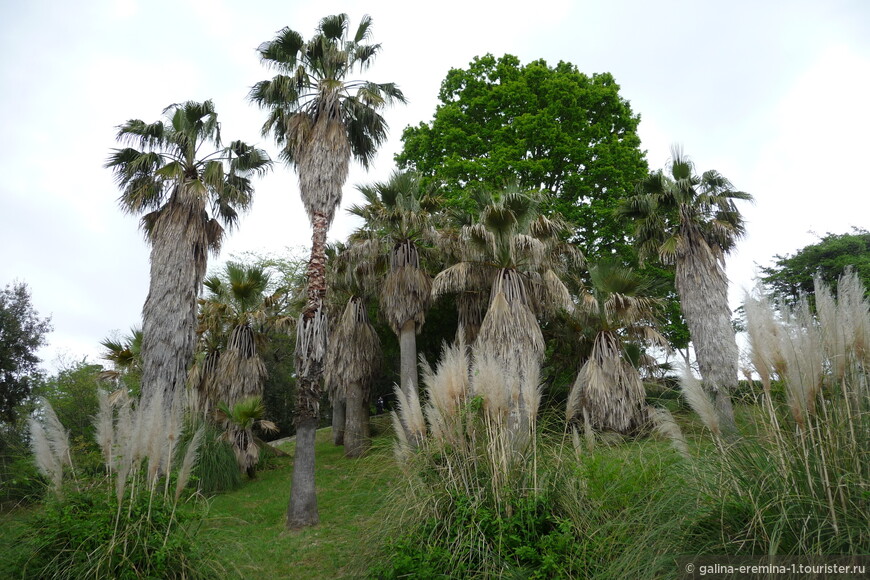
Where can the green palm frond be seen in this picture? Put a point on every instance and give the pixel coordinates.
(314, 81)
(161, 166)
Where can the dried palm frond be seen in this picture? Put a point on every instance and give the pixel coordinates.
(322, 154)
(608, 390)
(406, 295)
(311, 341)
(509, 328)
(354, 353)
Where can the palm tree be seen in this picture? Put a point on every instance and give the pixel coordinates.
(125, 354)
(239, 421)
(692, 222)
(320, 125)
(518, 251)
(353, 358)
(163, 175)
(241, 307)
(353, 361)
(616, 318)
(398, 216)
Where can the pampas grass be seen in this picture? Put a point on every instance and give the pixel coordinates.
(799, 485)
(699, 401)
(50, 445)
(136, 503)
(477, 428)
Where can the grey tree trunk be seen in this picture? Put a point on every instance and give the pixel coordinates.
(703, 288)
(408, 356)
(310, 352)
(302, 510)
(179, 254)
(338, 422)
(356, 437)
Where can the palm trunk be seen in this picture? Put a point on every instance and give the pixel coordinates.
(310, 352)
(703, 288)
(356, 437)
(338, 421)
(408, 357)
(179, 254)
(302, 510)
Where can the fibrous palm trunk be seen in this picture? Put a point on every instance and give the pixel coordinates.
(310, 351)
(703, 288)
(179, 254)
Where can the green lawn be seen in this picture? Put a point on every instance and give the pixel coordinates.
(250, 522)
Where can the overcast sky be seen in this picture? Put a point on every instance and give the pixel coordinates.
(773, 94)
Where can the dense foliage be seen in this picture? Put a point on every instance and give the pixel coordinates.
(22, 332)
(550, 128)
(76, 536)
(829, 258)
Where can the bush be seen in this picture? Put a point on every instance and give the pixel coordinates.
(86, 534)
(475, 541)
(216, 469)
(132, 522)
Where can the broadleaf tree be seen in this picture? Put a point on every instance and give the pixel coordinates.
(22, 333)
(829, 258)
(545, 127)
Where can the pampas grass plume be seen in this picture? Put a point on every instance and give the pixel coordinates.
(699, 401)
(189, 460)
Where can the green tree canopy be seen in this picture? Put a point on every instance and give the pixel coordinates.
(550, 128)
(792, 275)
(22, 332)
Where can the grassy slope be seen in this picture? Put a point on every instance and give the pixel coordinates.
(250, 522)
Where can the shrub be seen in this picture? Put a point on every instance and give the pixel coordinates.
(216, 470)
(86, 534)
(129, 523)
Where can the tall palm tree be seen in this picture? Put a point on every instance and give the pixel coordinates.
(320, 125)
(692, 222)
(615, 317)
(185, 197)
(398, 216)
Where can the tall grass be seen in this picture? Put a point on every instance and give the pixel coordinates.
(799, 482)
(489, 492)
(131, 523)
